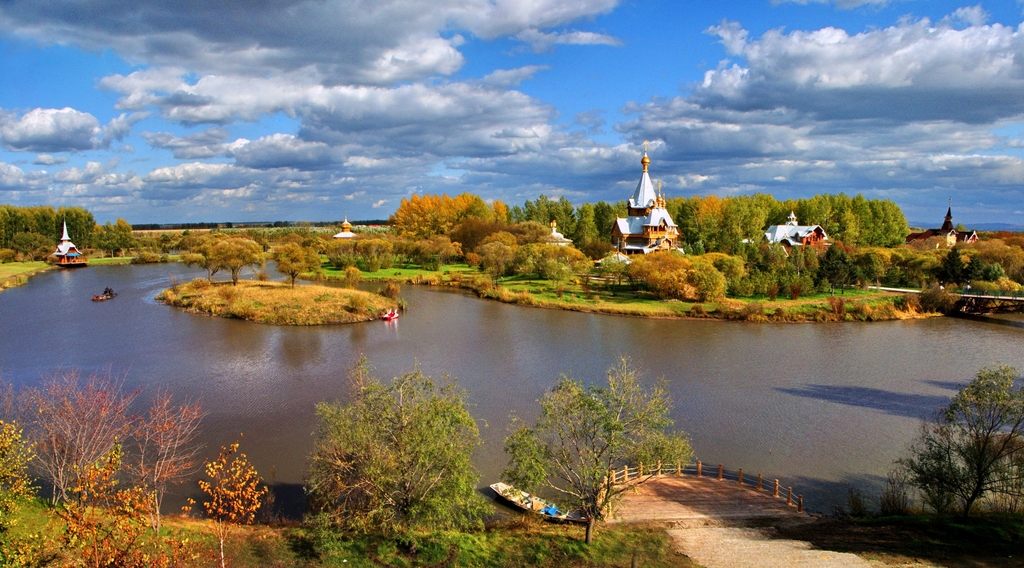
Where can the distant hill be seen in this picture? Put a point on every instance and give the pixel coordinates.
(997, 227)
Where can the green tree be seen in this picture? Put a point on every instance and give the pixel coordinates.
(234, 254)
(952, 268)
(397, 456)
(583, 432)
(971, 449)
(294, 259)
(837, 268)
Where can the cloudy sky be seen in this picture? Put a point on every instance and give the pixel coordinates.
(245, 110)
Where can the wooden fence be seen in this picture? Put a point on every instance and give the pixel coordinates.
(630, 474)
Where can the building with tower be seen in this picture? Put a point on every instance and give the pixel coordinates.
(648, 227)
(946, 233)
(793, 234)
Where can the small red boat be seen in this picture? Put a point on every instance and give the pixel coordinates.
(389, 315)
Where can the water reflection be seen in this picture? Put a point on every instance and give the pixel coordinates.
(827, 404)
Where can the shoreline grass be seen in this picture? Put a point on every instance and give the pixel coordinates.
(17, 273)
(850, 305)
(276, 303)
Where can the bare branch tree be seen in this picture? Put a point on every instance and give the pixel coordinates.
(74, 423)
(167, 448)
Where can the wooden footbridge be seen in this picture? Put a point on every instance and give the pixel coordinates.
(682, 495)
(724, 520)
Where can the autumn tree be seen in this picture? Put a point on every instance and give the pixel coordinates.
(234, 491)
(104, 524)
(976, 444)
(583, 432)
(167, 449)
(396, 456)
(15, 484)
(294, 259)
(424, 216)
(74, 423)
(200, 252)
(235, 253)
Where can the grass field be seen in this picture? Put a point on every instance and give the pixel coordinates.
(17, 273)
(523, 541)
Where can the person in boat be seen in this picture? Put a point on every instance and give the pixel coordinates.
(108, 291)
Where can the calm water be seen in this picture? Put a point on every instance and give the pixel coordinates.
(820, 406)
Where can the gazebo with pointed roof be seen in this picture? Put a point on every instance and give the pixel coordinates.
(346, 230)
(648, 227)
(68, 255)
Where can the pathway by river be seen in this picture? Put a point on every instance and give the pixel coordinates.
(817, 405)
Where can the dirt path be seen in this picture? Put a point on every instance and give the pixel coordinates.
(721, 524)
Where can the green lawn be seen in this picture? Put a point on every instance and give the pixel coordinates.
(16, 273)
(110, 260)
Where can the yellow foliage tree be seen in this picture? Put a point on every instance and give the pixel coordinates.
(424, 216)
(235, 492)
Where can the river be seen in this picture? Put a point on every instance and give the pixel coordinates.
(821, 406)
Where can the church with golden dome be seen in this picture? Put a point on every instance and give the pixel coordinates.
(648, 227)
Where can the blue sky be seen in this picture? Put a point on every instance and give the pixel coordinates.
(318, 109)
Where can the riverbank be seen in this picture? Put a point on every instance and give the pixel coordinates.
(276, 303)
(618, 299)
(17, 273)
(518, 542)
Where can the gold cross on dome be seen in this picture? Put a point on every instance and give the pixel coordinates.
(645, 146)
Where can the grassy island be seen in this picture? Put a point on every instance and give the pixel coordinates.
(277, 303)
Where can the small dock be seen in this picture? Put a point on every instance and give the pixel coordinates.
(699, 501)
(722, 522)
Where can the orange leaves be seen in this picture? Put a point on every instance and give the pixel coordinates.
(425, 216)
(235, 491)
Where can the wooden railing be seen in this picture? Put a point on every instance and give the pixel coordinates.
(629, 474)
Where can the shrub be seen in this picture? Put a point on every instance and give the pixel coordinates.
(861, 311)
(780, 313)
(390, 290)
(753, 311)
(7, 255)
(938, 300)
(200, 284)
(708, 282)
(907, 303)
(697, 311)
(882, 312)
(838, 305)
(145, 257)
(228, 293)
(740, 287)
(895, 498)
(795, 289)
(356, 303)
(773, 291)
(352, 276)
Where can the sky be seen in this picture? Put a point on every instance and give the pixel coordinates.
(161, 111)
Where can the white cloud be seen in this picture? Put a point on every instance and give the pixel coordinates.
(14, 179)
(205, 144)
(49, 160)
(506, 78)
(92, 172)
(380, 203)
(843, 4)
(411, 40)
(50, 130)
(543, 41)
